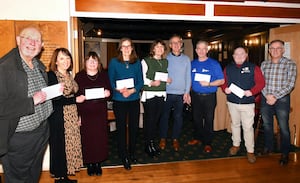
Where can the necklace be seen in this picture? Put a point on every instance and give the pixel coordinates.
(127, 64)
(158, 60)
(93, 78)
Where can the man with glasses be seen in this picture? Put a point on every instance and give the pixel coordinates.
(24, 110)
(280, 75)
(179, 68)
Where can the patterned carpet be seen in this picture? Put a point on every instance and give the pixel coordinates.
(221, 143)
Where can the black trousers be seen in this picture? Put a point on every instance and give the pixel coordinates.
(203, 107)
(23, 161)
(126, 113)
(153, 109)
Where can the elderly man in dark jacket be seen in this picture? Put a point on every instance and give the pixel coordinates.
(24, 110)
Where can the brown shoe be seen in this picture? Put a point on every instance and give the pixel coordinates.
(175, 145)
(251, 157)
(207, 149)
(162, 144)
(194, 142)
(233, 150)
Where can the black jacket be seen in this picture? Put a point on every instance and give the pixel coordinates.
(14, 100)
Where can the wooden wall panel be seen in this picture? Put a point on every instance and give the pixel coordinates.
(7, 36)
(55, 34)
(76, 47)
(292, 34)
(256, 11)
(139, 7)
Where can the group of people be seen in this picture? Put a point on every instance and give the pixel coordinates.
(76, 125)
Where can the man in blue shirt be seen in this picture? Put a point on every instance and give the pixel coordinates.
(178, 90)
(207, 75)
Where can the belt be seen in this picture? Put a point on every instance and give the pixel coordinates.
(203, 94)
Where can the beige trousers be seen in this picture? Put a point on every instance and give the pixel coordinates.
(242, 115)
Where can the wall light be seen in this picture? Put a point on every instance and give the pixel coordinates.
(189, 34)
(99, 32)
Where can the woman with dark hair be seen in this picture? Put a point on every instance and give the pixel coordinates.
(126, 79)
(93, 113)
(154, 93)
(65, 145)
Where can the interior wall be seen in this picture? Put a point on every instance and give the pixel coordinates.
(35, 10)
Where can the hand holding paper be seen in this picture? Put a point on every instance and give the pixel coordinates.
(94, 93)
(237, 90)
(161, 76)
(53, 91)
(202, 77)
(125, 83)
(39, 97)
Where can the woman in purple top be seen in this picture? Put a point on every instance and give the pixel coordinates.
(93, 113)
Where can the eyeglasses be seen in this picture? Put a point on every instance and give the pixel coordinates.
(273, 49)
(126, 46)
(92, 61)
(179, 42)
(30, 39)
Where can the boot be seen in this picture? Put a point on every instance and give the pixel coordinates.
(64, 180)
(98, 169)
(90, 169)
(149, 150)
(155, 149)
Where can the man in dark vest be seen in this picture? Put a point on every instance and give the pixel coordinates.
(243, 80)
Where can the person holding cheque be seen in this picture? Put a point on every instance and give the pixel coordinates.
(155, 75)
(206, 76)
(93, 82)
(65, 144)
(243, 80)
(126, 79)
(24, 130)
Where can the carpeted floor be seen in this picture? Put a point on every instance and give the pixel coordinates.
(221, 143)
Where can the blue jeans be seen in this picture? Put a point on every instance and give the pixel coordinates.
(175, 102)
(281, 110)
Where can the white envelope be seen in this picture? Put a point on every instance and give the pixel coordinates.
(94, 93)
(202, 77)
(53, 91)
(236, 90)
(125, 83)
(162, 76)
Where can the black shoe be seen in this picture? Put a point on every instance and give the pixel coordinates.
(98, 169)
(90, 169)
(126, 163)
(149, 151)
(133, 159)
(155, 148)
(284, 159)
(64, 180)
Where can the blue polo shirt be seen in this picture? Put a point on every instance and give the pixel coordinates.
(209, 67)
